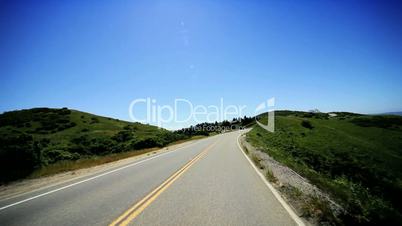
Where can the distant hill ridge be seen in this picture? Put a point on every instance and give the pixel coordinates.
(393, 113)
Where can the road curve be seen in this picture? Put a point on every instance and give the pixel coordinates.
(209, 182)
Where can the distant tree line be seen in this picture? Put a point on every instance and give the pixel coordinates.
(206, 128)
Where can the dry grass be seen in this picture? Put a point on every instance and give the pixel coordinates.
(315, 209)
(246, 150)
(271, 177)
(320, 210)
(64, 166)
(257, 161)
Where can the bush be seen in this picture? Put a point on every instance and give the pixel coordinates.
(53, 156)
(80, 144)
(97, 146)
(149, 142)
(270, 176)
(94, 120)
(19, 156)
(102, 145)
(123, 136)
(307, 124)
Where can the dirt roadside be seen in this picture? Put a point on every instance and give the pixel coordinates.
(309, 202)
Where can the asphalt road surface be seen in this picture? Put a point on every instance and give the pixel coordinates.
(209, 182)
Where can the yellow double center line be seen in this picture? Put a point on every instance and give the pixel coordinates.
(135, 210)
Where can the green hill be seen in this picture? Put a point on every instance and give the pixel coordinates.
(35, 138)
(355, 158)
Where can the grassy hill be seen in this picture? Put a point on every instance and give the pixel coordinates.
(355, 158)
(36, 138)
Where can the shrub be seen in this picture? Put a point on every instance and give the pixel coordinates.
(80, 145)
(94, 120)
(307, 124)
(149, 142)
(53, 156)
(271, 177)
(102, 145)
(128, 127)
(19, 155)
(257, 161)
(99, 145)
(123, 136)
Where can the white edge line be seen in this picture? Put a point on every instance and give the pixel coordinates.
(94, 177)
(292, 214)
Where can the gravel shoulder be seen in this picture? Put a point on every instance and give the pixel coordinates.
(295, 189)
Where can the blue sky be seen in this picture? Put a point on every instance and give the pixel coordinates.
(98, 56)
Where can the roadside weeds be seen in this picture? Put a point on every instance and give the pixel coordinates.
(311, 204)
(64, 166)
(67, 171)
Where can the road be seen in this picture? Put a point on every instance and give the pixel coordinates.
(209, 182)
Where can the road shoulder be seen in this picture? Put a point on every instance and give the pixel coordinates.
(277, 195)
(26, 186)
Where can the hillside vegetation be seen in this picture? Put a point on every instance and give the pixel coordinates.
(36, 138)
(357, 159)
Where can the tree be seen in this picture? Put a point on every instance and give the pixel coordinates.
(19, 155)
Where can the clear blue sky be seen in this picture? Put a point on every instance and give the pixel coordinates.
(97, 56)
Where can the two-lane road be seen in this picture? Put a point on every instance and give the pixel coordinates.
(209, 182)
